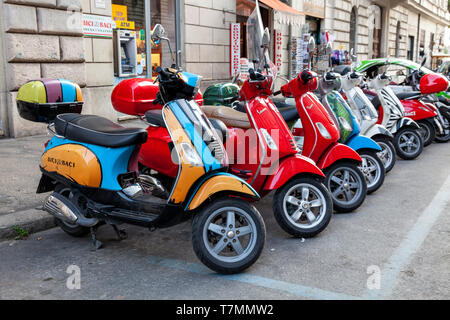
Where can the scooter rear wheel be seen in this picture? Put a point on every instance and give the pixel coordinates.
(388, 154)
(408, 143)
(303, 207)
(228, 235)
(446, 136)
(347, 186)
(428, 132)
(71, 229)
(373, 169)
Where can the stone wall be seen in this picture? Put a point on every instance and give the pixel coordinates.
(44, 39)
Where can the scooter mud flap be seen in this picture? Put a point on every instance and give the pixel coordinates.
(403, 122)
(362, 142)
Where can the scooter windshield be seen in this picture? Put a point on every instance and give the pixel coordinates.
(197, 147)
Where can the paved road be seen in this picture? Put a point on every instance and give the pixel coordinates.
(403, 231)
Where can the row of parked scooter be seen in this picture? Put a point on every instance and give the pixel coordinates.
(210, 163)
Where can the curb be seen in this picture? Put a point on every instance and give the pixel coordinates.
(32, 220)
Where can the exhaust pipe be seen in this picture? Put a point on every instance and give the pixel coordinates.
(61, 208)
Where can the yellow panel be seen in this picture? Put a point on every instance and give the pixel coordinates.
(188, 173)
(74, 162)
(217, 184)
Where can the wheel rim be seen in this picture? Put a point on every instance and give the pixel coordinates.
(425, 131)
(370, 169)
(304, 206)
(409, 142)
(345, 185)
(230, 234)
(386, 155)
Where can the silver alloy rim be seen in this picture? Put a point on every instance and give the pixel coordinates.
(370, 169)
(345, 186)
(446, 129)
(409, 143)
(304, 206)
(386, 155)
(230, 234)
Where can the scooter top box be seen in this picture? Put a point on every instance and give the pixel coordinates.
(42, 100)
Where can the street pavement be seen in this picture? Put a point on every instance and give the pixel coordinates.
(401, 234)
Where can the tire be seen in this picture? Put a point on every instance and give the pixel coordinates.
(373, 169)
(216, 216)
(428, 132)
(71, 229)
(388, 155)
(446, 136)
(402, 150)
(338, 194)
(317, 192)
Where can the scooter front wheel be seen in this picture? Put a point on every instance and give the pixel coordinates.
(408, 143)
(387, 154)
(303, 207)
(446, 136)
(427, 131)
(373, 169)
(228, 235)
(347, 186)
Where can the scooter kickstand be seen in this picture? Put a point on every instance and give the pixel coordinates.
(121, 233)
(97, 244)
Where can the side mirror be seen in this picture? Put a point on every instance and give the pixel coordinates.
(158, 32)
(265, 43)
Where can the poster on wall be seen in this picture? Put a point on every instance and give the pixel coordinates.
(235, 48)
(97, 26)
(278, 47)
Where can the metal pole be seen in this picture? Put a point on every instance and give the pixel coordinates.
(148, 39)
(178, 31)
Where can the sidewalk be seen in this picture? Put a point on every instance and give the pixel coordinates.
(19, 178)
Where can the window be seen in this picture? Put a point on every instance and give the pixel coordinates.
(398, 37)
(353, 30)
(132, 56)
(410, 52)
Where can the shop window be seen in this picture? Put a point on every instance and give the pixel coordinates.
(130, 36)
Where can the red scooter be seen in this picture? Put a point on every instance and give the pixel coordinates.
(302, 204)
(339, 162)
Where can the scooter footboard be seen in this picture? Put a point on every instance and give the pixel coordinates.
(219, 183)
(338, 152)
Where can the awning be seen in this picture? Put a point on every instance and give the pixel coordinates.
(284, 14)
(280, 6)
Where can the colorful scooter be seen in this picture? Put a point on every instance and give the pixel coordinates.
(367, 116)
(339, 162)
(91, 168)
(372, 167)
(269, 162)
(408, 140)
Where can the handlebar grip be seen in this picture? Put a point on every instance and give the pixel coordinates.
(276, 93)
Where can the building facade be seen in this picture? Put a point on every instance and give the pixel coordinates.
(98, 43)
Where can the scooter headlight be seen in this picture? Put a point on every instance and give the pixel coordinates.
(190, 155)
(345, 124)
(269, 140)
(323, 131)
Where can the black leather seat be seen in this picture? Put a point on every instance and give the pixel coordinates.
(97, 130)
(155, 118)
(375, 101)
(408, 95)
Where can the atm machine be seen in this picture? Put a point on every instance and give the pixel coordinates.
(125, 53)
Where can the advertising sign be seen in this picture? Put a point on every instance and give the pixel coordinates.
(97, 26)
(235, 48)
(278, 47)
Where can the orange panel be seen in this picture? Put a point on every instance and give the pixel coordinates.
(74, 162)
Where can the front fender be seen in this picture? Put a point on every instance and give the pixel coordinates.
(290, 167)
(338, 152)
(407, 122)
(218, 183)
(362, 142)
(378, 130)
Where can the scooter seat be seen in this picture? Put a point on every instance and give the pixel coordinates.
(155, 118)
(227, 115)
(408, 95)
(97, 131)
